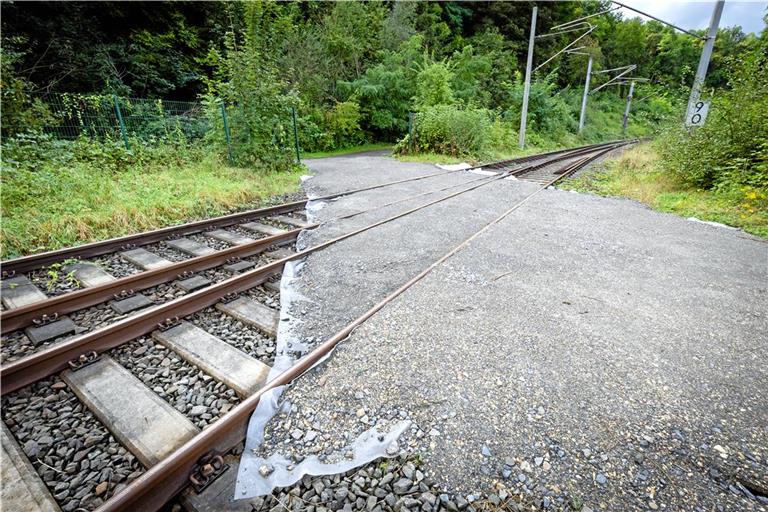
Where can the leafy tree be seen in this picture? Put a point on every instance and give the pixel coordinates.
(399, 25)
(255, 87)
(349, 34)
(386, 90)
(21, 112)
(469, 70)
(433, 85)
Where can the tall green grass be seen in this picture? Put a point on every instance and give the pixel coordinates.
(640, 174)
(57, 194)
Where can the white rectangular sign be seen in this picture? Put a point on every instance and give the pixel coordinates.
(697, 114)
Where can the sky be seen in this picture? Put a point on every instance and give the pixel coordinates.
(696, 14)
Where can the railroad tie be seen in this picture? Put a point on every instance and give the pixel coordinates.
(56, 327)
(216, 357)
(22, 489)
(263, 229)
(142, 421)
(239, 266)
(252, 313)
(88, 274)
(279, 254)
(229, 237)
(291, 221)
(272, 285)
(189, 246)
(19, 291)
(144, 259)
(218, 496)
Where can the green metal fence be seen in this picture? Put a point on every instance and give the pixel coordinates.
(111, 117)
(108, 117)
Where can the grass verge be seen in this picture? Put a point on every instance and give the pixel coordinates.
(47, 205)
(346, 151)
(637, 174)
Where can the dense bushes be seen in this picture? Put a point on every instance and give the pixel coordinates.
(337, 127)
(731, 149)
(449, 130)
(258, 98)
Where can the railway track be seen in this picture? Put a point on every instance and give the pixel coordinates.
(120, 392)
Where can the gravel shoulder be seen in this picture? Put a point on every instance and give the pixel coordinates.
(584, 352)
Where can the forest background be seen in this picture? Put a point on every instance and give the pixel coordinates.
(354, 73)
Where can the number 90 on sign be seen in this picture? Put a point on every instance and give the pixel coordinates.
(697, 114)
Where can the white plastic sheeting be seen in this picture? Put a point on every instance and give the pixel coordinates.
(368, 446)
(259, 477)
(454, 167)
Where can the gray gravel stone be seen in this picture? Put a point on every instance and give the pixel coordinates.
(600, 322)
(71, 450)
(187, 388)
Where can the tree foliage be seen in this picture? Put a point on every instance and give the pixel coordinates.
(353, 70)
(731, 149)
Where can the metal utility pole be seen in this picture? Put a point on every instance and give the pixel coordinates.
(584, 98)
(527, 88)
(629, 104)
(706, 54)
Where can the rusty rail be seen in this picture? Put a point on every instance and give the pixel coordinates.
(35, 261)
(161, 482)
(17, 318)
(38, 365)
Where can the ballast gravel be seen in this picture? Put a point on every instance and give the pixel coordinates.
(188, 389)
(164, 251)
(394, 484)
(54, 280)
(115, 265)
(585, 354)
(236, 333)
(264, 295)
(78, 459)
(210, 242)
(16, 345)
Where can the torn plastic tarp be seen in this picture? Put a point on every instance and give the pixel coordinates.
(369, 446)
(483, 172)
(454, 167)
(258, 476)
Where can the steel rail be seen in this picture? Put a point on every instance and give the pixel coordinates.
(28, 369)
(18, 318)
(151, 490)
(502, 163)
(35, 261)
(38, 365)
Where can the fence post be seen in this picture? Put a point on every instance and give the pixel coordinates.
(122, 123)
(410, 131)
(226, 133)
(296, 135)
